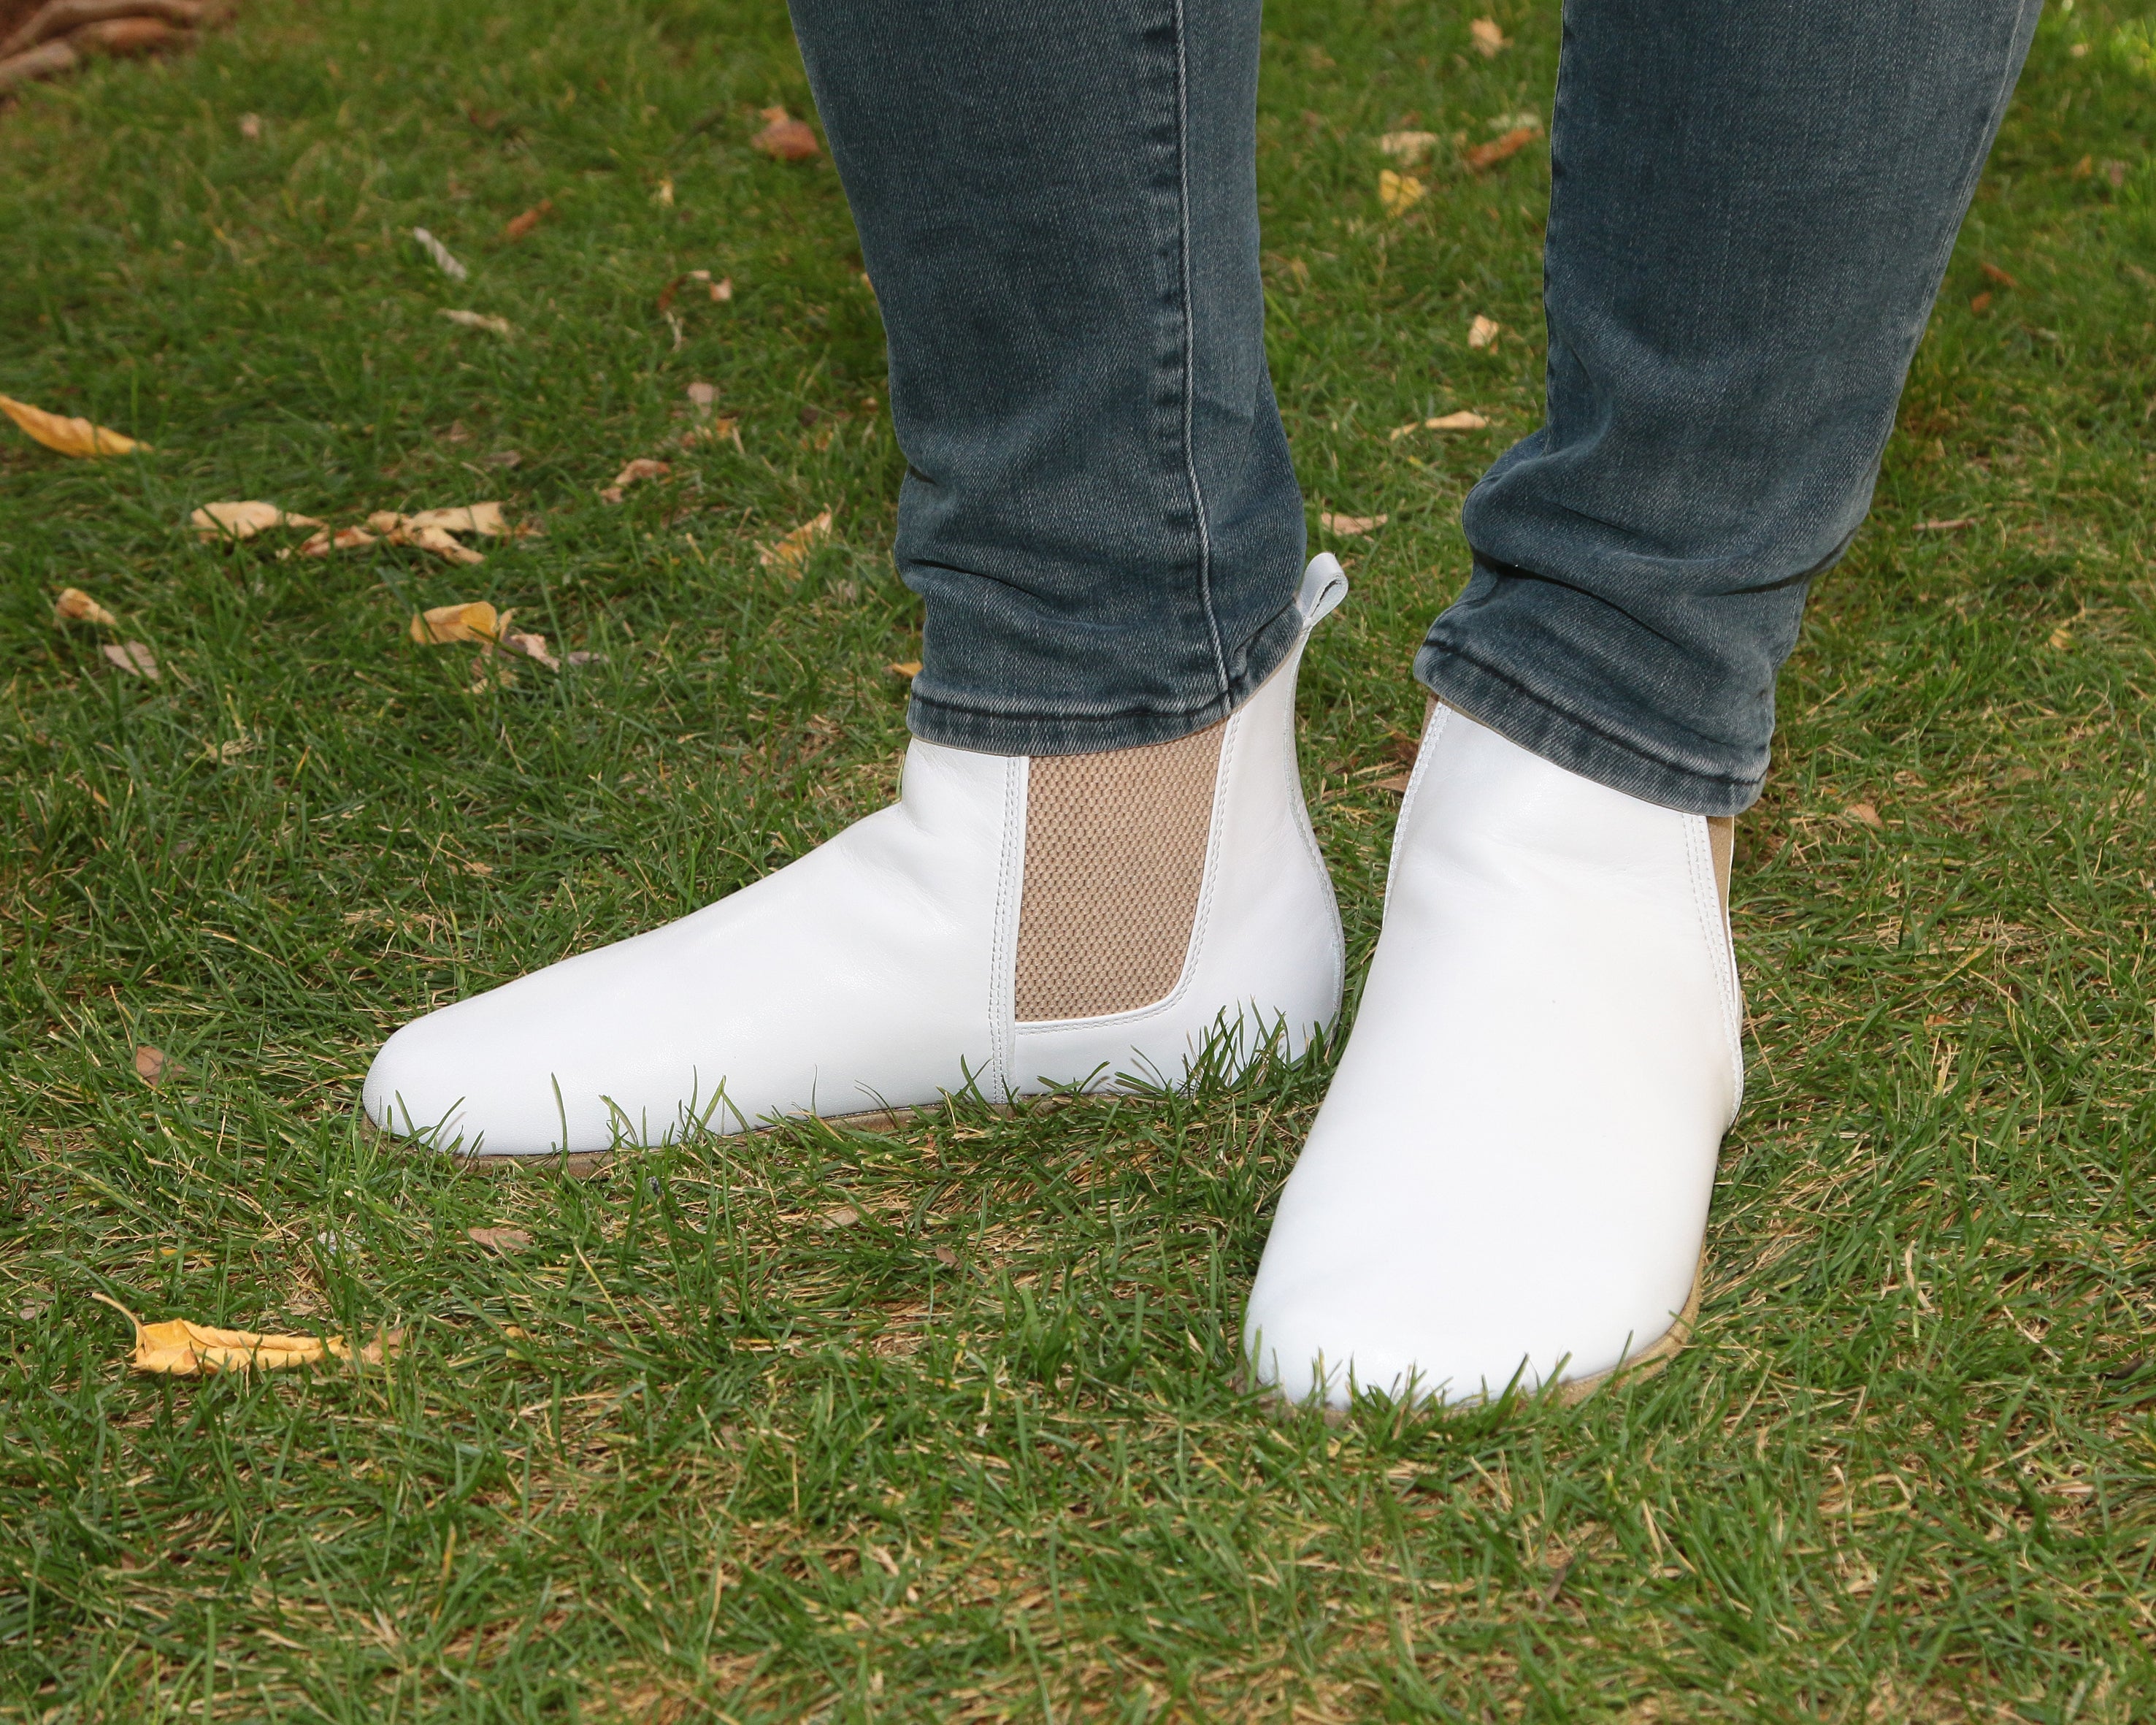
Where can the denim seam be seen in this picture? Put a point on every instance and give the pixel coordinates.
(1587, 726)
(1190, 344)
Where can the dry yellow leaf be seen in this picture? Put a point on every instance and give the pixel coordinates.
(134, 658)
(643, 467)
(531, 645)
(478, 320)
(907, 667)
(447, 623)
(420, 531)
(1484, 331)
(73, 605)
(1399, 192)
(345, 538)
(1489, 41)
(1352, 527)
(243, 520)
(177, 1348)
(1408, 148)
(790, 555)
(1864, 812)
(2062, 638)
(725, 429)
(1463, 420)
(70, 437)
(500, 1239)
(483, 518)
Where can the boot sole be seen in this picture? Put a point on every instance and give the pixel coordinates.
(1568, 1392)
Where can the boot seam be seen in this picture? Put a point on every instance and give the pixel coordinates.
(1002, 956)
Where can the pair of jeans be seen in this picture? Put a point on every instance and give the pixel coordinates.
(1752, 203)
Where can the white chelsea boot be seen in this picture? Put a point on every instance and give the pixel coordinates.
(1015, 924)
(1508, 1180)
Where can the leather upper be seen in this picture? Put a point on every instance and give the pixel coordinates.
(1511, 1171)
(876, 971)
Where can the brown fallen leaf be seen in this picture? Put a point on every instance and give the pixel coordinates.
(345, 538)
(725, 429)
(243, 520)
(501, 1239)
(1399, 192)
(722, 290)
(73, 605)
(946, 1257)
(1484, 156)
(1352, 527)
(479, 320)
(1992, 272)
(1982, 303)
(790, 555)
(1489, 41)
(1946, 527)
(1484, 331)
(786, 139)
(482, 519)
(70, 437)
(124, 36)
(134, 658)
(397, 529)
(447, 623)
(643, 467)
(250, 127)
(1865, 812)
(177, 1348)
(1463, 420)
(531, 645)
(517, 226)
(904, 668)
(2062, 638)
(1398, 784)
(153, 1066)
(845, 1216)
(1406, 148)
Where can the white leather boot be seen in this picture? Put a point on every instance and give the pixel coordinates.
(1017, 926)
(1509, 1178)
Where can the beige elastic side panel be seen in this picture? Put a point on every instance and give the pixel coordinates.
(1721, 839)
(1115, 855)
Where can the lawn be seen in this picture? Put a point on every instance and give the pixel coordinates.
(943, 1424)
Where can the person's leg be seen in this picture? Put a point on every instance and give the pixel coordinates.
(1101, 862)
(1058, 206)
(1751, 210)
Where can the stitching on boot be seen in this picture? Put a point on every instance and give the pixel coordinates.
(1115, 860)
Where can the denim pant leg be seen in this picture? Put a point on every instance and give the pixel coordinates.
(1057, 202)
(1751, 206)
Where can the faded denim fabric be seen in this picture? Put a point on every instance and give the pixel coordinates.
(1057, 202)
(1753, 205)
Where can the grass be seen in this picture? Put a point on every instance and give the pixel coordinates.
(704, 1450)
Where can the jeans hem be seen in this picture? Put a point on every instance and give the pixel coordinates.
(984, 733)
(1541, 726)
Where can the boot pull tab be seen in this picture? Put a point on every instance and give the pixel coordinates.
(1324, 585)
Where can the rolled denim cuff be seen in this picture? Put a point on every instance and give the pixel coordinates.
(1542, 721)
(1018, 730)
